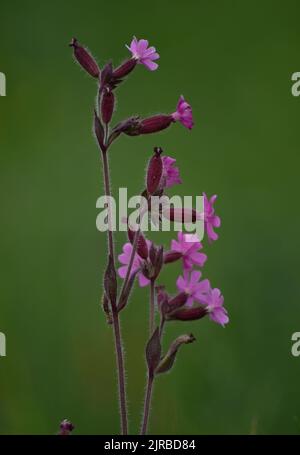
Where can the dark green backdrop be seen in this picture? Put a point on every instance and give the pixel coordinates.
(233, 61)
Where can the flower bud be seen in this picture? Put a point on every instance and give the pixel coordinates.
(155, 170)
(106, 76)
(142, 248)
(162, 300)
(177, 302)
(107, 104)
(187, 314)
(129, 126)
(162, 295)
(153, 352)
(110, 282)
(66, 427)
(155, 123)
(99, 131)
(159, 261)
(156, 255)
(105, 306)
(125, 68)
(125, 295)
(172, 256)
(85, 59)
(168, 360)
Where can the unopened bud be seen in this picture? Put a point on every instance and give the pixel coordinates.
(168, 360)
(99, 131)
(106, 75)
(110, 282)
(187, 314)
(155, 123)
(162, 295)
(107, 105)
(85, 59)
(154, 172)
(66, 427)
(105, 306)
(153, 351)
(124, 69)
(156, 261)
(129, 126)
(142, 247)
(159, 261)
(172, 256)
(162, 300)
(177, 302)
(125, 295)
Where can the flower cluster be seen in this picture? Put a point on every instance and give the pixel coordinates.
(141, 259)
(187, 248)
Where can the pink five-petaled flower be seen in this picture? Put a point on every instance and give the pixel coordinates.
(190, 284)
(183, 114)
(211, 220)
(170, 172)
(143, 54)
(215, 309)
(124, 258)
(188, 245)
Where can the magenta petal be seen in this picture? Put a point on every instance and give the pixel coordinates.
(212, 235)
(122, 271)
(189, 301)
(142, 46)
(143, 281)
(198, 259)
(195, 277)
(219, 316)
(149, 64)
(133, 45)
(180, 283)
(123, 258)
(216, 221)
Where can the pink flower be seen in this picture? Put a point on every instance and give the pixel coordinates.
(170, 172)
(124, 258)
(143, 54)
(188, 245)
(211, 220)
(190, 284)
(183, 114)
(215, 309)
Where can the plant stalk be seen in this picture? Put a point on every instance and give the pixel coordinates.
(147, 404)
(151, 376)
(152, 306)
(116, 320)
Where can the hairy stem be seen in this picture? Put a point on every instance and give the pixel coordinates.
(116, 321)
(152, 306)
(108, 193)
(150, 378)
(121, 373)
(147, 404)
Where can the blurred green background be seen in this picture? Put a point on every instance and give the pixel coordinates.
(233, 61)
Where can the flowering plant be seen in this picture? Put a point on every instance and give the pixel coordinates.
(141, 259)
